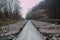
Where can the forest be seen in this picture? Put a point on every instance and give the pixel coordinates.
(51, 8)
(10, 11)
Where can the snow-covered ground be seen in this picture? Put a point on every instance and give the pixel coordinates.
(11, 29)
(46, 27)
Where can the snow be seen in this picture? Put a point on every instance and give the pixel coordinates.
(29, 32)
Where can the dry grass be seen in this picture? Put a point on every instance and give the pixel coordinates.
(7, 21)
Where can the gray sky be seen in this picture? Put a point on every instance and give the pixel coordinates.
(27, 4)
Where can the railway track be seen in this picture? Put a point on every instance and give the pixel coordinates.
(45, 28)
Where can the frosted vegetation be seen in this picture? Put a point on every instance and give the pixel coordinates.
(9, 10)
(9, 5)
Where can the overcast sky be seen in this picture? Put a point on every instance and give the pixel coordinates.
(27, 4)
